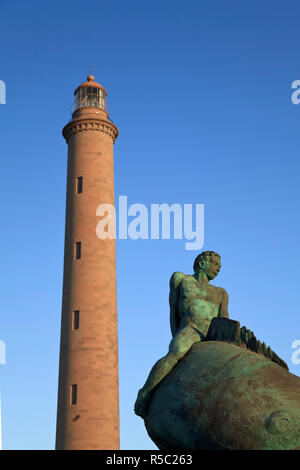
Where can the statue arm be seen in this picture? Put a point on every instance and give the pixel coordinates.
(223, 309)
(175, 280)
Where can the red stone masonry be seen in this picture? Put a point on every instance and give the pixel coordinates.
(89, 354)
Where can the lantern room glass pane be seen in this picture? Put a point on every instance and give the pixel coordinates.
(90, 97)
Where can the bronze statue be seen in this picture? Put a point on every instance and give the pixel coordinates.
(194, 302)
(218, 388)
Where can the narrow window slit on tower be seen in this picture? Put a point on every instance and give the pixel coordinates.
(79, 184)
(77, 250)
(76, 320)
(73, 394)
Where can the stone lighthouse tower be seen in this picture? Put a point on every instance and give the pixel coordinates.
(88, 401)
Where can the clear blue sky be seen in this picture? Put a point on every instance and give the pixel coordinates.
(201, 93)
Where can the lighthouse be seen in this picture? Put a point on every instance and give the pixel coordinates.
(88, 392)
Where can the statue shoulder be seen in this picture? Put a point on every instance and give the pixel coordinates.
(222, 291)
(176, 279)
(224, 300)
(224, 294)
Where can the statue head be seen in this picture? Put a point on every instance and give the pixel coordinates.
(208, 262)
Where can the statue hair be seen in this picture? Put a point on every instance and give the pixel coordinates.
(205, 255)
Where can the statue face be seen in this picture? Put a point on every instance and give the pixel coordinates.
(212, 267)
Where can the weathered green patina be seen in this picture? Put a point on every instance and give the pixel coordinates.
(221, 396)
(228, 390)
(193, 304)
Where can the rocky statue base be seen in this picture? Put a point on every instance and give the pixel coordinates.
(230, 392)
